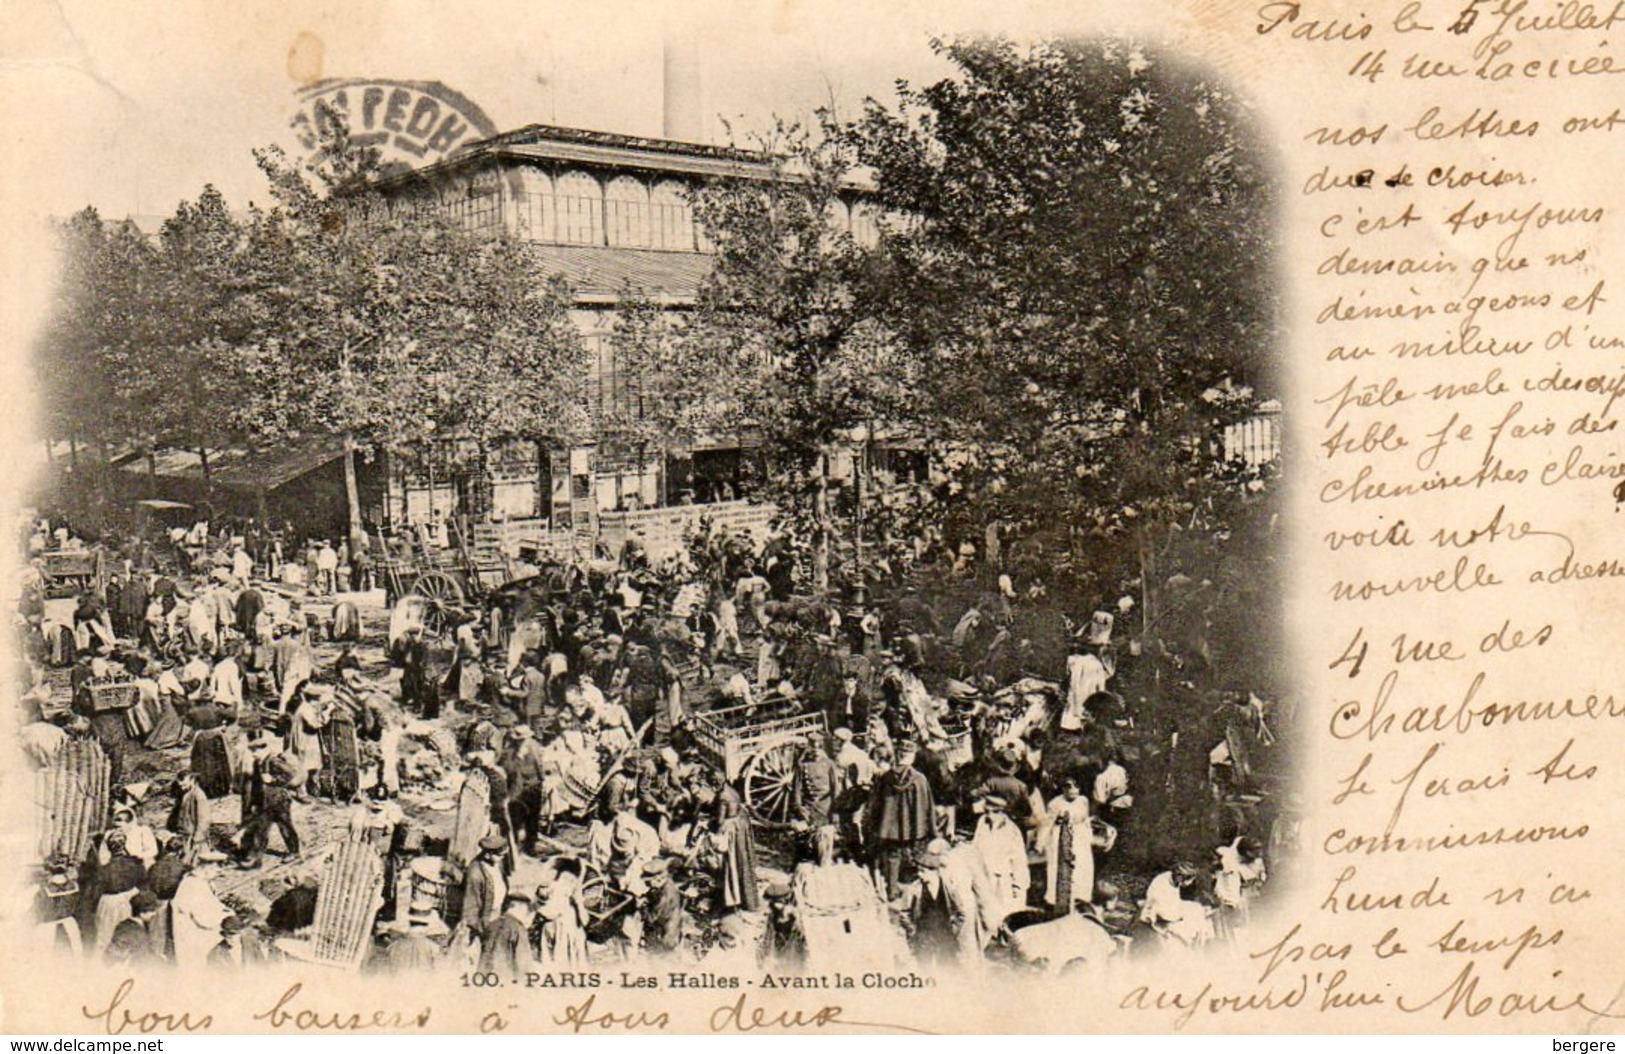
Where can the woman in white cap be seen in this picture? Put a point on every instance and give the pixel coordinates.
(561, 915)
(139, 839)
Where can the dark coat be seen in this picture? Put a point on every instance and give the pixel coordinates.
(901, 808)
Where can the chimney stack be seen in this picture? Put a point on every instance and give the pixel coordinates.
(681, 88)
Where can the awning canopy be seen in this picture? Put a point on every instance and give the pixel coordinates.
(254, 470)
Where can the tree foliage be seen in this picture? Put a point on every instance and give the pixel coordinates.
(333, 312)
(401, 326)
(1089, 261)
(786, 311)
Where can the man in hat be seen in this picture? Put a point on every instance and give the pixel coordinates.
(529, 694)
(131, 941)
(505, 948)
(414, 948)
(268, 805)
(1002, 849)
(292, 663)
(850, 707)
(819, 786)
(327, 565)
(496, 779)
(210, 758)
(420, 691)
(522, 765)
(662, 910)
(485, 889)
(784, 945)
(1087, 671)
(165, 874)
(726, 613)
(1002, 782)
(934, 917)
(900, 817)
(303, 746)
(466, 674)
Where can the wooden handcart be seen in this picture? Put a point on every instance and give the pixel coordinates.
(758, 745)
(73, 573)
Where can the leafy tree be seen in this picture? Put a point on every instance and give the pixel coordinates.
(97, 323)
(193, 371)
(1085, 288)
(396, 328)
(785, 314)
(673, 386)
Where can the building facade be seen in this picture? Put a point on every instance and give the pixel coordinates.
(605, 212)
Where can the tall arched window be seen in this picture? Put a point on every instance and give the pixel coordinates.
(840, 217)
(865, 224)
(671, 220)
(535, 208)
(579, 201)
(626, 200)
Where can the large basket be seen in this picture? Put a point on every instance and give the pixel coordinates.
(430, 881)
(113, 695)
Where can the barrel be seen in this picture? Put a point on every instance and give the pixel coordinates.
(429, 882)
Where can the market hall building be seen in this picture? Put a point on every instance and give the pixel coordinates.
(606, 213)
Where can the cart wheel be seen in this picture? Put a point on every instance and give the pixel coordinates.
(769, 785)
(596, 894)
(439, 587)
(434, 620)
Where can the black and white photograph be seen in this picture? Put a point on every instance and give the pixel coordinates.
(621, 509)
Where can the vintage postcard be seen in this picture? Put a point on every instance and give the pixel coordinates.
(813, 517)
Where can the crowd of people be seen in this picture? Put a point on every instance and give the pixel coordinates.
(262, 719)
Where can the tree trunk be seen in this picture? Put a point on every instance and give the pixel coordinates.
(821, 528)
(860, 492)
(50, 454)
(208, 478)
(352, 492)
(152, 472)
(73, 453)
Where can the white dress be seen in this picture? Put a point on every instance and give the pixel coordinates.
(1061, 815)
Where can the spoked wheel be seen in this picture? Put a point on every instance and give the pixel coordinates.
(439, 587)
(605, 905)
(596, 894)
(769, 785)
(444, 595)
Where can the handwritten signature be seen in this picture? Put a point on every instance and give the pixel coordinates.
(737, 1017)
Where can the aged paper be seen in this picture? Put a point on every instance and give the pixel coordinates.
(1452, 377)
